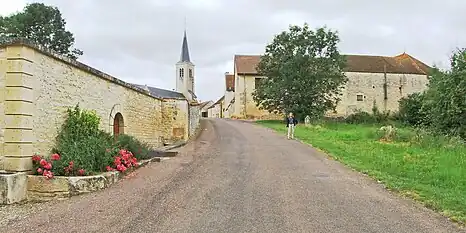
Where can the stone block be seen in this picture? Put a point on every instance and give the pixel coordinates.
(17, 164)
(19, 93)
(18, 121)
(18, 149)
(19, 80)
(13, 187)
(18, 108)
(43, 185)
(20, 65)
(18, 135)
(20, 51)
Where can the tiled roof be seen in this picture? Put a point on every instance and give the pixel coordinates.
(401, 64)
(162, 93)
(246, 64)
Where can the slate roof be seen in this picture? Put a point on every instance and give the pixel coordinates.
(162, 93)
(401, 64)
(185, 50)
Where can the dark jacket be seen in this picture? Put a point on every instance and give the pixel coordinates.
(295, 121)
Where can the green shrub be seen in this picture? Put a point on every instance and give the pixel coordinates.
(81, 141)
(412, 110)
(360, 118)
(139, 149)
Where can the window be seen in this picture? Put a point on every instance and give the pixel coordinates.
(190, 73)
(257, 82)
(181, 73)
(359, 97)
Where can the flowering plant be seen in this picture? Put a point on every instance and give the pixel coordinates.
(124, 160)
(43, 166)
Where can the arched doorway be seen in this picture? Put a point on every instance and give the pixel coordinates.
(118, 125)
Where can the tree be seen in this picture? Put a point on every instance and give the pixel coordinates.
(42, 25)
(304, 72)
(447, 93)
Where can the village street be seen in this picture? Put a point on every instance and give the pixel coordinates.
(237, 177)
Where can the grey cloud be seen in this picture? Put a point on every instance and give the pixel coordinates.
(141, 41)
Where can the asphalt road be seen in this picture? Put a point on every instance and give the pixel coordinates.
(238, 177)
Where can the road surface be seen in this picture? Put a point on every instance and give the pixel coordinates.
(237, 177)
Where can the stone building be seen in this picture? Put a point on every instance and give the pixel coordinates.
(378, 80)
(215, 111)
(38, 86)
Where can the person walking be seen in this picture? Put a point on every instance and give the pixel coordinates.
(291, 123)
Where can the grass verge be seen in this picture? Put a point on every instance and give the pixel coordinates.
(430, 169)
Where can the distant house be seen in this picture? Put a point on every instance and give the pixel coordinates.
(378, 80)
(204, 108)
(215, 111)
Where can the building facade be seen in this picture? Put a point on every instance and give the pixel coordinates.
(372, 80)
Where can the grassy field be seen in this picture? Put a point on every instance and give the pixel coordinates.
(429, 169)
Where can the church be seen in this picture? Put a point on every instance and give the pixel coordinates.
(40, 85)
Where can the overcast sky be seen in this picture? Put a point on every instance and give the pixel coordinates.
(140, 41)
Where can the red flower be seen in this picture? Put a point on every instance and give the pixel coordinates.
(117, 161)
(55, 157)
(109, 168)
(81, 172)
(43, 162)
(39, 170)
(48, 174)
(36, 158)
(48, 166)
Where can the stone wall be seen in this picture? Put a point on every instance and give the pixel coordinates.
(175, 121)
(371, 87)
(194, 118)
(40, 86)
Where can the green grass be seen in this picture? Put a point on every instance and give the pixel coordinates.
(430, 169)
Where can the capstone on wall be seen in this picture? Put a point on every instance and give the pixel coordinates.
(364, 89)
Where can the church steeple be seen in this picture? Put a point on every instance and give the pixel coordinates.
(185, 50)
(185, 71)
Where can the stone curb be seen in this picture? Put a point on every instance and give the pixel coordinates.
(39, 189)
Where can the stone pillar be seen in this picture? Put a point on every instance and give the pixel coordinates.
(18, 109)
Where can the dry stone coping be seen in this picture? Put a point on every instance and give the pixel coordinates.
(40, 189)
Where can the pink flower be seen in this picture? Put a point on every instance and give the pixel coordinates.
(55, 157)
(117, 161)
(36, 158)
(109, 168)
(43, 162)
(48, 166)
(81, 172)
(48, 174)
(39, 170)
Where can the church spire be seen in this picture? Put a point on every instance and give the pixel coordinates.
(184, 49)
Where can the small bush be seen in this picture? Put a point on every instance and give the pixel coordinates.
(80, 141)
(412, 110)
(360, 118)
(139, 149)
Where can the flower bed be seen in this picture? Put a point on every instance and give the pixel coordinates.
(44, 188)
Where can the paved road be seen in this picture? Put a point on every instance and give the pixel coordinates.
(238, 177)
